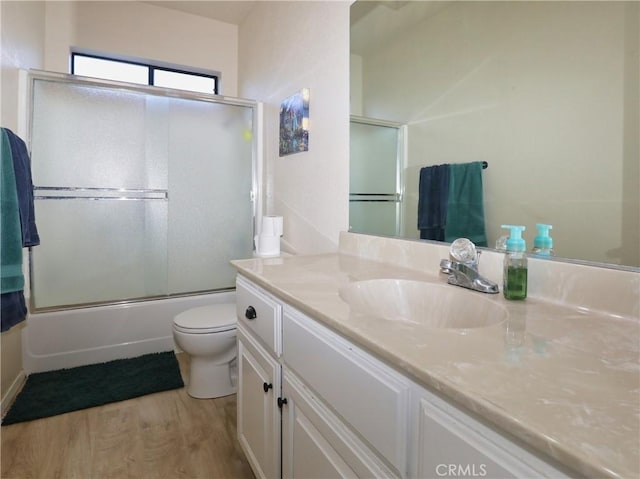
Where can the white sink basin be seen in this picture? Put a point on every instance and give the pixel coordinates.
(428, 304)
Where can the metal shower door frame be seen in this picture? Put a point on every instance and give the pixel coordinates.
(27, 81)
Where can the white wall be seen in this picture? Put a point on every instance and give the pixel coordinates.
(355, 84)
(284, 47)
(22, 46)
(537, 89)
(144, 31)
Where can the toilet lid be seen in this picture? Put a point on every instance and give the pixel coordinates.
(207, 319)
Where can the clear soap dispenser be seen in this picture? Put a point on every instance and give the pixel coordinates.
(515, 265)
(543, 243)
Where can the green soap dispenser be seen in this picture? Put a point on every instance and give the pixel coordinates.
(543, 243)
(515, 265)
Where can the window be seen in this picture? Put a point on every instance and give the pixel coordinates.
(143, 73)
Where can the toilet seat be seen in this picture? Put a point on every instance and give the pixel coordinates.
(213, 318)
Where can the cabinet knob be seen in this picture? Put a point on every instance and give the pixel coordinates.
(282, 402)
(266, 387)
(250, 313)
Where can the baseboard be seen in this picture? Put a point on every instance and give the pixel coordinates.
(13, 391)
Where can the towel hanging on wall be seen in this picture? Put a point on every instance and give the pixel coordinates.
(24, 188)
(433, 194)
(450, 202)
(465, 207)
(17, 226)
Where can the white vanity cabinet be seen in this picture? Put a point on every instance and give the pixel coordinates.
(339, 412)
(343, 413)
(259, 378)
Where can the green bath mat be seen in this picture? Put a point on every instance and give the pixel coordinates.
(57, 392)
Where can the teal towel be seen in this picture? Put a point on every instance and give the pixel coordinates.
(465, 211)
(11, 278)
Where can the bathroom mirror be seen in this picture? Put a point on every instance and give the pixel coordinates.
(546, 93)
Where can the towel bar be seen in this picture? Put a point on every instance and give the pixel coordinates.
(375, 197)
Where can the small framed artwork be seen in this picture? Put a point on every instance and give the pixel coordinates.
(294, 123)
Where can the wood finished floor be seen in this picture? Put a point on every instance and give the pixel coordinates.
(163, 435)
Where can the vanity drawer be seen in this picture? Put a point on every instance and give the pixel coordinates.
(260, 314)
(368, 395)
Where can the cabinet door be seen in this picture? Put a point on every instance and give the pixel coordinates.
(368, 396)
(309, 455)
(258, 414)
(316, 444)
(452, 444)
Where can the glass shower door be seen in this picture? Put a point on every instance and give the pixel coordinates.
(138, 194)
(210, 181)
(375, 193)
(101, 196)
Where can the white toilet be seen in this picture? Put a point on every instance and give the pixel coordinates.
(208, 335)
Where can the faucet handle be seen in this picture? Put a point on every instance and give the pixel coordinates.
(464, 251)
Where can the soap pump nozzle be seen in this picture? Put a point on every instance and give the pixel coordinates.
(515, 241)
(543, 243)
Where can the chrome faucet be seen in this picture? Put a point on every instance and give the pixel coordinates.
(463, 271)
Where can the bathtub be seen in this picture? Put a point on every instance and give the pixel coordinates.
(65, 339)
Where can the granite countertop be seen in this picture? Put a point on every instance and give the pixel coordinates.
(564, 380)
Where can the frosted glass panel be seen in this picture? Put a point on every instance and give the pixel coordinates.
(374, 159)
(210, 209)
(377, 218)
(94, 251)
(195, 154)
(374, 175)
(97, 137)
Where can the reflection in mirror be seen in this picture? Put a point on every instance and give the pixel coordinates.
(546, 92)
(375, 177)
